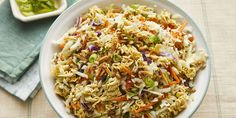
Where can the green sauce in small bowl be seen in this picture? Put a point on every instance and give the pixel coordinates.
(33, 7)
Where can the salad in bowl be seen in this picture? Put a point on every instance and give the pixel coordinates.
(126, 59)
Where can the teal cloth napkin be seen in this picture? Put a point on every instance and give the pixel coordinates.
(19, 42)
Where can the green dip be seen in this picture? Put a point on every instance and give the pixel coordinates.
(32, 7)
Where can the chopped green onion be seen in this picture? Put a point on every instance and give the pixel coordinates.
(26, 7)
(45, 6)
(50, 3)
(154, 39)
(77, 60)
(130, 94)
(107, 78)
(116, 58)
(134, 6)
(22, 1)
(145, 15)
(44, 10)
(149, 82)
(92, 58)
(130, 38)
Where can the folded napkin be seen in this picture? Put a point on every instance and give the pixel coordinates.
(20, 44)
(27, 86)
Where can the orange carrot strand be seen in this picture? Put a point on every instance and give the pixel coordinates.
(183, 25)
(61, 46)
(173, 74)
(127, 70)
(120, 98)
(148, 105)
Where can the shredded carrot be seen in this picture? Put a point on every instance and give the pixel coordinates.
(177, 80)
(112, 30)
(183, 25)
(107, 23)
(62, 46)
(120, 98)
(129, 84)
(83, 44)
(153, 31)
(162, 75)
(99, 74)
(166, 86)
(142, 19)
(181, 28)
(173, 74)
(148, 105)
(153, 19)
(174, 34)
(147, 115)
(127, 70)
(145, 107)
(75, 105)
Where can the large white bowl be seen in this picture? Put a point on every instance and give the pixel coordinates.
(67, 20)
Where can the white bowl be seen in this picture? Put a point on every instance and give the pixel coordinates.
(67, 20)
(18, 15)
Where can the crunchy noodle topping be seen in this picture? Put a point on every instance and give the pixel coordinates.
(127, 61)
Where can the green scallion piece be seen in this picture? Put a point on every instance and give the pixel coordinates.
(92, 58)
(134, 6)
(154, 39)
(149, 82)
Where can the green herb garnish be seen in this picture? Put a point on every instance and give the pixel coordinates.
(134, 6)
(92, 58)
(149, 82)
(116, 58)
(154, 39)
(131, 94)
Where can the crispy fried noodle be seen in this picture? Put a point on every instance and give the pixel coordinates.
(128, 61)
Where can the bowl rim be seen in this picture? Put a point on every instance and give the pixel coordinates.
(168, 3)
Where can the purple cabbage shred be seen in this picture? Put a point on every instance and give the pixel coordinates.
(93, 48)
(145, 58)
